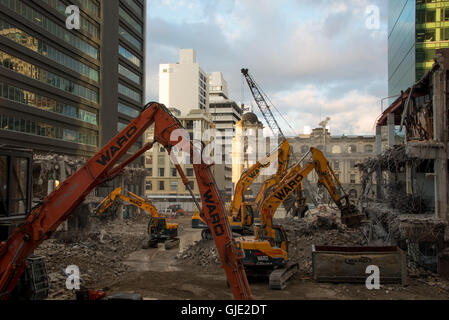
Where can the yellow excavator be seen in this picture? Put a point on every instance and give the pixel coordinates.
(159, 229)
(241, 216)
(266, 252)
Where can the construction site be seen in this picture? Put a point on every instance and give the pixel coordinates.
(139, 210)
(277, 246)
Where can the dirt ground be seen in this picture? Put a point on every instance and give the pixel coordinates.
(118, 264)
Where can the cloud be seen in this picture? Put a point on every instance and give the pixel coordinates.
(317, 51)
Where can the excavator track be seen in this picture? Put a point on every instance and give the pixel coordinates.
(279, 277)
(171, 243)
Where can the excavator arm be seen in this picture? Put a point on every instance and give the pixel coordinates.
(281, 153)
(43, 220)
(295, 178)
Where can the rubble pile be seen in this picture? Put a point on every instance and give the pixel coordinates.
(201, 253)
(98, 252)
(323, 230)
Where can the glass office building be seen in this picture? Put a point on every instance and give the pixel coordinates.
(416, 28)
(69, 91)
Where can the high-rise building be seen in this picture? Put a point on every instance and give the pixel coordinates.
(416, 28)
(184, 85)
(225, 114)
(68, 91)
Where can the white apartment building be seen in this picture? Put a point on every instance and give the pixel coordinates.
(225, 114)
(183, 85)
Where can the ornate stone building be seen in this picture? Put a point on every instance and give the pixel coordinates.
(343, 152)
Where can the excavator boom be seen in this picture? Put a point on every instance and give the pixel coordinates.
(45, 219)
(281, 153)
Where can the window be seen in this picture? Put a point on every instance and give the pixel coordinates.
(174, 172)
(138, 9)
(131, 112)
(133, 22)
(129, 74)
(161, 185)
(4, 172)
(190, 172)
(352, 164)
(148, 185)
(125, 34)
(353, 178)
(336, 164)
(28, 13)
(37, 128)
(161, 160)
(369, 148)
(121, 126)
(161, 172)
(162, 149)
(150, 172)
(352, 148)
(31, 71)
(38, 45)
(32, 99)
(85, 25)
(320, 147)
(128, 55)
(173, 185)
(130, 93)
(149, 160)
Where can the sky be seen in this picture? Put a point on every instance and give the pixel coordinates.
(313, 58)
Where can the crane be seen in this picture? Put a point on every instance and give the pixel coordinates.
(44, 219)
(267, 113)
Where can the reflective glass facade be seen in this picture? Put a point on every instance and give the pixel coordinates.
(70, 85)
(416, 29)
(401, 45)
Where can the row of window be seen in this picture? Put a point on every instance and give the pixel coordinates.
(128, 55)
(38, 101)
(41, 47)
(134, 41)
(62, 33)
(91, 6)
(135, 7)
(173, 171)
(173, 185)
(336, 164)
(129, 74)
(43, 129)
(130, 93)
(129, 111)
(22, 67)
(85, 25)
(133, 22)
(338, 149)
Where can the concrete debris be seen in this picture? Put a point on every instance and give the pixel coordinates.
(201, 253)
(99, 253)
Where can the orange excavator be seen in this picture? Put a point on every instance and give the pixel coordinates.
(44, 219)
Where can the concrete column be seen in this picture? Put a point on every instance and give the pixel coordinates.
(379, 172)
(378, 140)
(408, 179)
(440, 125)
(390, 128)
